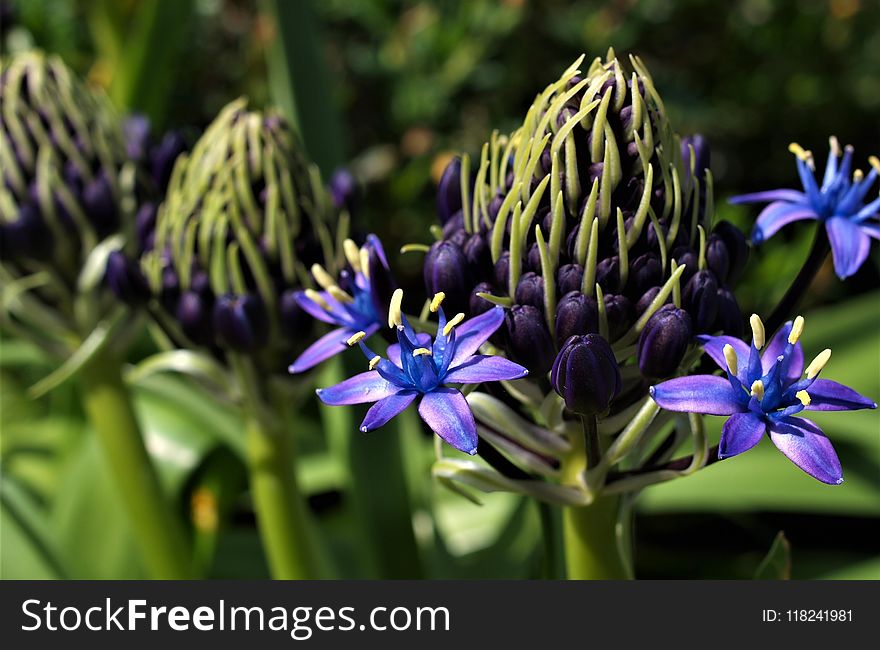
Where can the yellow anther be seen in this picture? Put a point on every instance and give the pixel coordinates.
(339, 294)
(804, 397)
(730, 357)
(757, 330)
(858, 175)
(875, 162)
(834, 143)
(322, 277)
(436, 301)
(317, 298)
(797, 328)
(420, 352)
(365, 262)
(452, 323)
(375, 361)
(758, 389)
(352, 254)
(356, 338)
(799, 151)
(818, 363)
(394, 317)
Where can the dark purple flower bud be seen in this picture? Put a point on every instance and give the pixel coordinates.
(700, 299)
(479, 256)
(344, 190)
(478, 305)
(576, 314)
(459, 237)
(446, 270)
(145, 226)
(502, 270)
(495, 206)
(608, 274)
(729, 320)
(454, 225)
(136, 132)
(664, 341)
(528, 341)
(27, 236)
(241, 322)
(644, 272)
(701, 153)
(620, 314)
(99, 206)
(449, 191)
(163, 156)
(646, 299)
(689, 258)
(530, 291)
(126, 280)
(737, 250)
(534, 258)
(569, 278)
(585, 374)
(717, 258)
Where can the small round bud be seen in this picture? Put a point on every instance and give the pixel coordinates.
(446, 270)
(730, 318)
(126, 280)
(585, 374)
(240, 322)
(569, 278)
(700, 299)
(664, 341)
(644, 272)
(737, 250)
(608, 274)
(449, 191)
(528, 340)
(576, 314)
(530, 291)
(620, 315)
(717, 258)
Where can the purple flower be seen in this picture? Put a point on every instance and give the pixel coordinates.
(417, 366)
(839, 203)
(762, 393)
(354, 309)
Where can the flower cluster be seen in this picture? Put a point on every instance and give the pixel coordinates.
(244, 218)
(839, 203)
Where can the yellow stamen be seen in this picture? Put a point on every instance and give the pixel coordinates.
(799, 151)
(797, 328)
(375, 361)
(818, 363)
(834, 143)
(420, 352)
(858, 175)
(356, 338)
(322, 277)
(339, 294)
(804, 397)
(365, 262)
(758, 389)
(437, 301)
(316, 297)
(757, 330)
(352, 254)
(394, 316)
(452, 323)
(875, 162)
(730, 357)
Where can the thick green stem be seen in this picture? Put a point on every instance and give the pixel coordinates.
(590, 534)
(282, 516)
(158, 530)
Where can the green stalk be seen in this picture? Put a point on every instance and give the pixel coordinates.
(159, 532)
(283, 519)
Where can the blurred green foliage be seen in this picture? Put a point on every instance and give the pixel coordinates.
(415, 81)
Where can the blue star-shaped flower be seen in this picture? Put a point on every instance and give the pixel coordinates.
(763, 392)
(417, 366)
(839, 203)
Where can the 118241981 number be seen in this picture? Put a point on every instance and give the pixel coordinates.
(818, 615)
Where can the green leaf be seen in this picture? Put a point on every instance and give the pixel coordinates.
(776, 565)
(186, 362)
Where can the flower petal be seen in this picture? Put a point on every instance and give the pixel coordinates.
(779, 214)
(849, 245)
(472, 333)
(827, 395)
(480, 368)
(789, 196)
(714, 347)
(706, 394)
(330, 344)
(803, 442)
(362, 388)
(446, 411)
(393, 351)
(312, 308)
(776, 346)
(387, 408)
(741, 432)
